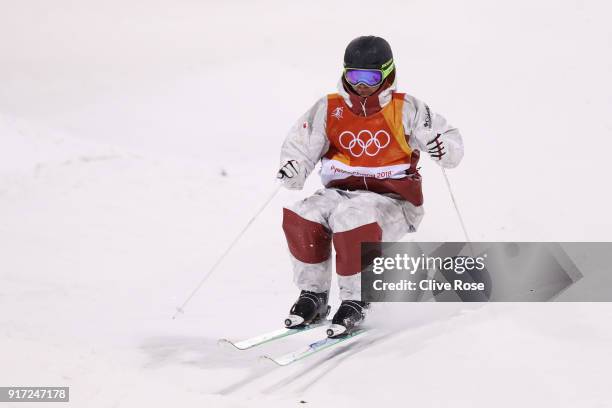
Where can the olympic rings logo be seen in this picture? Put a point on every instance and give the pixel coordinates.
(364, 142)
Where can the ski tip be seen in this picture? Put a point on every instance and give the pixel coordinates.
(223, 342)
(268, 358)
(226, 343)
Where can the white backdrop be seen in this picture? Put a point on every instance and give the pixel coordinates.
(137, 138)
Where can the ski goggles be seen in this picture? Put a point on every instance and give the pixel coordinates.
(369, 77)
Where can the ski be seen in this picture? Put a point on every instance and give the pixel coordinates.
(312, 349)
(271, 336)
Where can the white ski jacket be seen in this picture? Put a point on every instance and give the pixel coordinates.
(425, 130)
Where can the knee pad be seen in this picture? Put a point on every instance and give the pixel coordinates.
(308, 241)
(348, 247)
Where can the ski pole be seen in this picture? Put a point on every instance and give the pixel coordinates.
(181, 308)
(450, 190)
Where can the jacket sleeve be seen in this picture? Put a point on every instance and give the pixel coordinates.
(307, 141)
(431, 133)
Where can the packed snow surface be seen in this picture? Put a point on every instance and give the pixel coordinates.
(138, 138)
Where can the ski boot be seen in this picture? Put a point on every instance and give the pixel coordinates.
(310, 307)
(350, 314)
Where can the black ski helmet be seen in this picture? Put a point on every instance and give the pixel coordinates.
(367, 52)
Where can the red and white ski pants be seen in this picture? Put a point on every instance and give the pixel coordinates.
(346, 218)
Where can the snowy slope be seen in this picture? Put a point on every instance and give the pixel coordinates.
(136, 140)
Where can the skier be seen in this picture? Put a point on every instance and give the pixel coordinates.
(368, 138)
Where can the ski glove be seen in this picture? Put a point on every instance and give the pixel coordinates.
(436, 147)
(291, 175)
